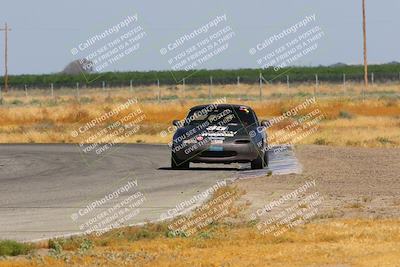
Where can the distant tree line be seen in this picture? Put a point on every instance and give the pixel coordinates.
(382, 73)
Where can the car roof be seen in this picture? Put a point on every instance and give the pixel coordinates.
(220, 106)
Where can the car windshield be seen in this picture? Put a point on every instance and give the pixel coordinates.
(221, 115)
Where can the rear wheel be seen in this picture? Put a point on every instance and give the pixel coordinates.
(178, 164)
(258, 163)
(266, 159)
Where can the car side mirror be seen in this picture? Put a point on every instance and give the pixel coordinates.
(176, 123)
(266, 123)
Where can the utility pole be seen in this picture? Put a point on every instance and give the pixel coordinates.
(365, 47)
(6, 30)
(260, 78)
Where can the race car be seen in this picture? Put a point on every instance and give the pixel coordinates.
(220, 133)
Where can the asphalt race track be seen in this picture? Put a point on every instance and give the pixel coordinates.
(45, 189)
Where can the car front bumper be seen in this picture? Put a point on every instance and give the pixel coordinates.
(219, 153)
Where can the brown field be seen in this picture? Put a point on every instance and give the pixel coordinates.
(349, 120)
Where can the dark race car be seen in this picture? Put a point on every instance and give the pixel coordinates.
(220, 133)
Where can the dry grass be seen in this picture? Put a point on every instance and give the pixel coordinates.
(336, 243)
(370, 123)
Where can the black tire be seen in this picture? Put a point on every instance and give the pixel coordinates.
(266, 159)
(258, 163)
(177, 164)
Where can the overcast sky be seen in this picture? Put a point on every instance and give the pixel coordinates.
(44, 31)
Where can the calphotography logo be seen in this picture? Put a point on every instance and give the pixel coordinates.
(102, 134)
(285, 48)
(294, 125)
(111, 211)
(192, 50)
(212, 133)
(106, 48)
(291, 210)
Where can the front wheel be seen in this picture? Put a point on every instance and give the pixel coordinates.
(258, 163)
(177, 164)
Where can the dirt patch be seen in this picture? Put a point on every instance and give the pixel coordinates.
(354, 182)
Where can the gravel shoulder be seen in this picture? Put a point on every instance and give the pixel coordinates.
(354, 183)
